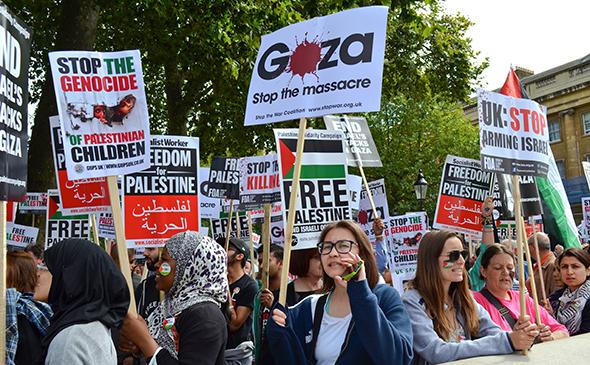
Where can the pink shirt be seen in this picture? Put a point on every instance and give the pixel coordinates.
(513, 306)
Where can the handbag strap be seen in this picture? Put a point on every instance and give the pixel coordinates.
(499, 306)
(317, 323)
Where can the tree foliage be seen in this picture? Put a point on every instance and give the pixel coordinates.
(197, 61)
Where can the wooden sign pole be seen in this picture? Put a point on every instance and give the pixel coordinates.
(519, 243)
(94, 229)
(539, 266)
(228, 230)
(120, 238)
(266, 245)
(531, 274)
(249, 216)
(3, 280)
(291, 213)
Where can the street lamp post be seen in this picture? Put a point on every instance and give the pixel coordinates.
(420, 188)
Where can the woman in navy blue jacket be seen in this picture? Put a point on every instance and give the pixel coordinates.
(356, 321)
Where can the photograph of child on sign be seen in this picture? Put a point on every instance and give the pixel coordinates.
(101, 113)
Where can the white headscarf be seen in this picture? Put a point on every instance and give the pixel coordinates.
(201, 276)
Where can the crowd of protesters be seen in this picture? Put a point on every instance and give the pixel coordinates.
(199, 304)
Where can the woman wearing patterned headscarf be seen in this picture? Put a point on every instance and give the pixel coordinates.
(188, 327)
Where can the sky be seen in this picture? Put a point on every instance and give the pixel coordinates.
(535, 34)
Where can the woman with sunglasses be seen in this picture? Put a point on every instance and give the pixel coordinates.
(503, 303)
(355, 322)
(447, 323)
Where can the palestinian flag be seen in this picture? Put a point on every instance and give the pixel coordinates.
(323, 191)
(557, 213)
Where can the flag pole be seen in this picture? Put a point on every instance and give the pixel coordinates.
(252, 271)
(228, 230)
(94, 229)
(266, 245)
(539, 266)
(519, 244)
(291, 212)
(120, 238)
(3, 279)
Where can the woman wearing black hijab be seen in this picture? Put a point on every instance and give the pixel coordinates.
(89, 296)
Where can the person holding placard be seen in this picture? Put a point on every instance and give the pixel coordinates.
(548, 266)
(188, 327)
(447, 323)
(503, 303)
(357, 320)
(89, 297)
(571, 304)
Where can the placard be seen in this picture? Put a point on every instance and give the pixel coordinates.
(103, 112)
(35, 203)
(59, 226)
(325, 65)
(360, 147)
(259, 181)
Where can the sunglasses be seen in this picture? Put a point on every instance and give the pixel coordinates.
(455, 254)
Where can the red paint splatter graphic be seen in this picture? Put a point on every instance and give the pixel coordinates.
(305, 58)
(363, 217)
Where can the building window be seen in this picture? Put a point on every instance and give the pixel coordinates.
(554, 132)
(561, 168)
(586, 123)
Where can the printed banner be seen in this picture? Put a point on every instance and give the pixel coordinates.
(259, 181)
(21, 236)
(103, 112)
(106, 227)
(504, 225)
(224, 178)
(76, 196)
(59, 226)
(586, 217)
(366, 216)
(403, 235)
(529, 197)
(15, 43)
(163, 200)
(586, 167)
(360, 147)
(355, 186)
(219, 226)
(513, 135)
(35, 203)
(323, 193)
(210, 207)
(463, 188)
(330, 64)
(277, 229)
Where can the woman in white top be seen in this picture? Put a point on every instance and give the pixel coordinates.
(356, 321)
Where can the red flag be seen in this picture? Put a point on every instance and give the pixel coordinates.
(512, 86)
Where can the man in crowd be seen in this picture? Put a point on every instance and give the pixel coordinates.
(242, 291)
(548, 264)
(146, 295)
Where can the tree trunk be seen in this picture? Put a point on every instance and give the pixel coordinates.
(177, 118)
(77, 31)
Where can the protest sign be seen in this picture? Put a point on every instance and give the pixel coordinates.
(366, 216)
(218, 226)
(259, 181)
(277, 229)
(323, 196)
(355, 186)
(163, 199)
(89, 195)
(503, 226)
(360, 147)
(21, 236)
(586, 167)
(210, 207)
(35, 203)
(15, 44)
(103, 112)
(330, 64)
(106, 227)
(504, 196)
(224, 178)
(463, 188)
(60, 226)
(11, 208)
(403, 234)
(513, 135)
(586, 217)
